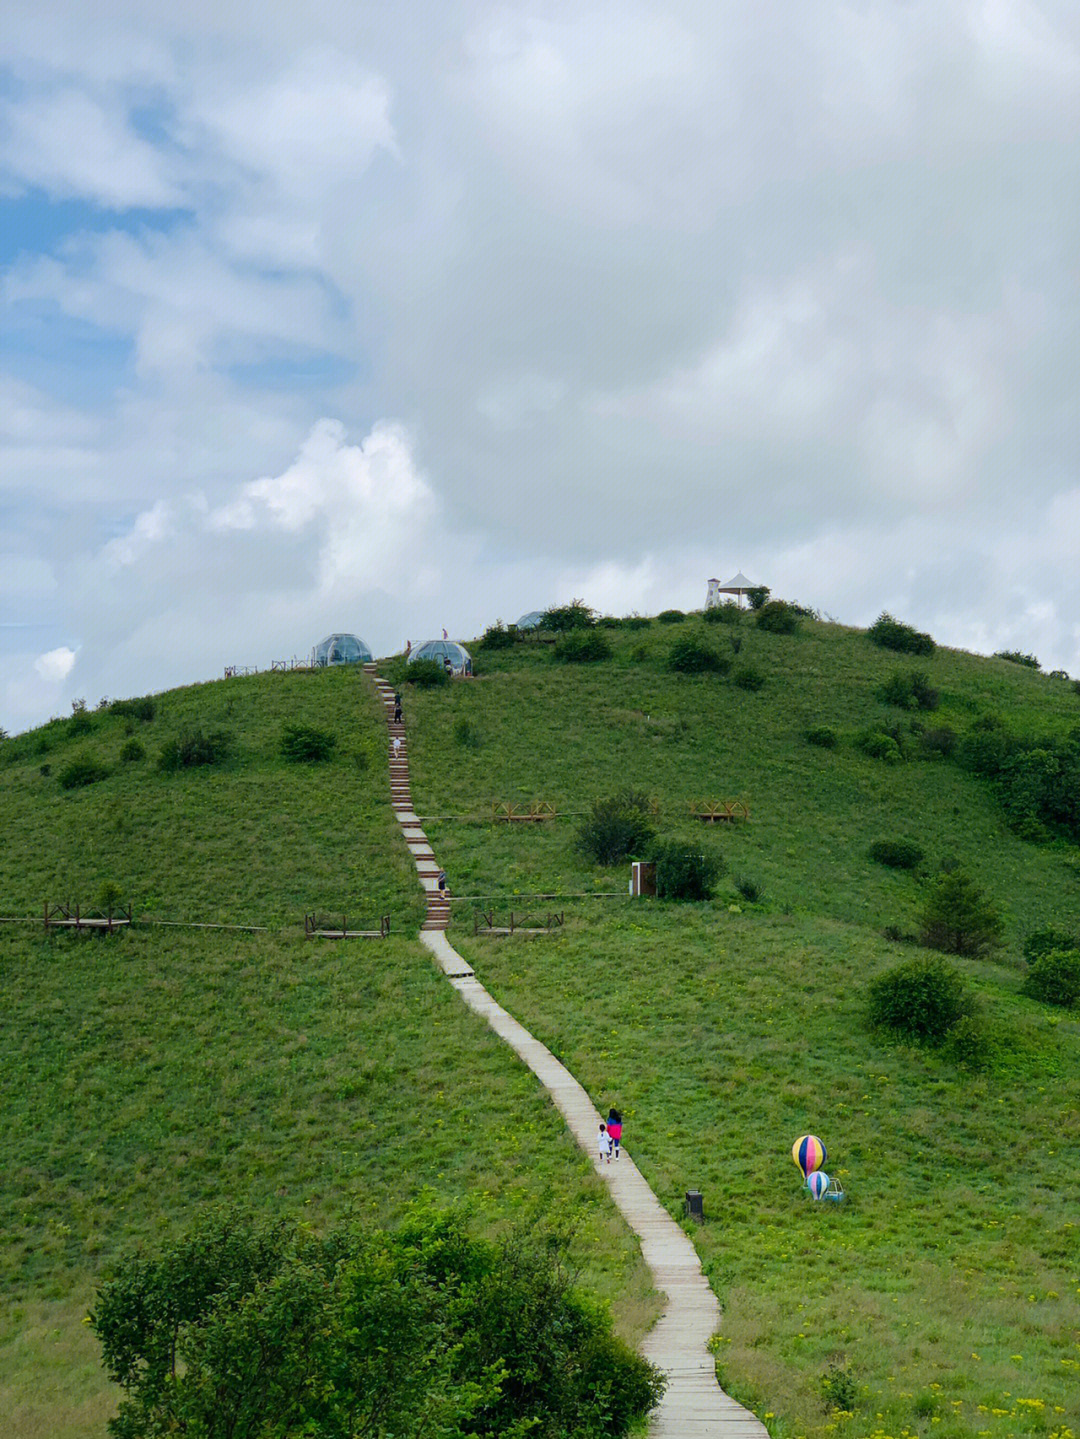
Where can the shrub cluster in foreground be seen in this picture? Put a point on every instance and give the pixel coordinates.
(890, 634)
(243, 1328)
(195, 747)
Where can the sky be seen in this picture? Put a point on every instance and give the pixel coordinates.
(389, 317)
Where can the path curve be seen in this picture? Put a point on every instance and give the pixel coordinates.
(694, 1407)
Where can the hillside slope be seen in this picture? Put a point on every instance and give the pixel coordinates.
(945, 1292)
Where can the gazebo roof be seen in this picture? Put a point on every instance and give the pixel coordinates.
(740, 582)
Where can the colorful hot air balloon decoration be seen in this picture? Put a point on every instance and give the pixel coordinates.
(817, 1182)
(808, 1153)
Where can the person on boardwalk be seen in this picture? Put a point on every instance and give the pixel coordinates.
(440, 880)
(397, 707)
(397, 745)
(603, 1143)
(614, 1129)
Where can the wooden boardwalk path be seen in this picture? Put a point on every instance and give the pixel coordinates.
(694, 1407)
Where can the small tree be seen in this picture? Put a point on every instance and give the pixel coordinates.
(693, 656)
(1054, 977)
(890, 634)
(778, 617)
(427, 674)
(499, 637)
(303, 743)
(575, 616)
(582, 646)
(617, 826)
(958, 917)
(758, 596)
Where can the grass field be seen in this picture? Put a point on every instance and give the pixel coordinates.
(157, 1071)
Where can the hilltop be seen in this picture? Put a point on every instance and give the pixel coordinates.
(157, 1070)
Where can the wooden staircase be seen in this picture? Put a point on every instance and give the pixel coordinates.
(438, 901)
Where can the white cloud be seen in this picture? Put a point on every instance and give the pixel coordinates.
(55, 665)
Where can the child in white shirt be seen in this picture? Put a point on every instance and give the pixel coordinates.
(603, 1140)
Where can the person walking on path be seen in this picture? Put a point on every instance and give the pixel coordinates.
(397, 707)
(397, 745)
(440, 880)
(603, 1142)
(614, 1129)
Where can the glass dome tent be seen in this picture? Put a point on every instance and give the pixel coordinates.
(442, 650)
(531, 621)
(340, 650)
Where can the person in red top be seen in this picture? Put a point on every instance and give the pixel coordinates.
(614, 1128)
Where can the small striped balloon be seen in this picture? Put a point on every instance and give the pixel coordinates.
(808, 1153)
(817, 1183)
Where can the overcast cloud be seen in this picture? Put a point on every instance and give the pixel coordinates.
(383, 318)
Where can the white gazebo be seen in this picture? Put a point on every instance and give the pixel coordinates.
(736, 586)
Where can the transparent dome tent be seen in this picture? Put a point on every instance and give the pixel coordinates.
(531, 621)
(442, 650)
(341, 650)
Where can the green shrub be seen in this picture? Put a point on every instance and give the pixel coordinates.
(142, 709)
(878, 745)
(778, 617)
(729, 613)
(618, 826)
(758, 596)
(426, 673)
(109, 896)
(466, 733)
(575, 616)
(937, 743)
(748, 888)
(692, 655)
(81, 770)
(749, 677)
(498, 637)
(958, 917)
(80, 722)
(968, 1042)
(1054, 977)
(890, 634)
(838, 1388)
(193, 748)
(896, 853)
(670, 617)
(920, 999)
(1015, 657)
(304, 744)
(823, 736)
(682, 872)
(582, 646)
(1046, 940)
(634, 622)
(910, 690)
(132, 750)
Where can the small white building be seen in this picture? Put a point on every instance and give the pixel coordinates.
(736, 586)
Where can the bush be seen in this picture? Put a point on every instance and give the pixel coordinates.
(938, 743)
(896, 853)
(195, 747)
(575, 616)
(890, 634)
(1016, 658)
(247, 1328)
(778, 617)
(82, 770)
(142, 710)
(823, 736)
(749, 889)
(958, 917)
(838, 1388)
(911, 690)
(132, 750)
(498, 637)
(1046, 940)
(877, 744)
(582, 646)
(109, 896)
(670, 617)
(634, 622)
(749, 677)
(80, 722)
(616, 827)
(427, 674)
(691, 655)
(729, 613)
(968, 1042)
(302, 743)
(1054, 977)
(466, 734)
(684, 873)
(921, 999)
(758, 596)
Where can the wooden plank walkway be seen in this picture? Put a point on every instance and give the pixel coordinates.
(694, 1407)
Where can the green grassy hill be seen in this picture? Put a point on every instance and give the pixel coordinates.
(159, 1070)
